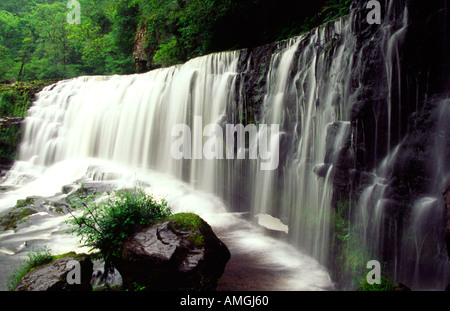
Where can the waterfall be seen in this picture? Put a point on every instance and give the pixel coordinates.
(316, 90)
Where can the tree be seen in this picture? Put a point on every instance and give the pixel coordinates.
(25, 54)
(6, 63)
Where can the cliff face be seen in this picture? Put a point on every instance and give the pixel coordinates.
(394, 94)
(142, 56)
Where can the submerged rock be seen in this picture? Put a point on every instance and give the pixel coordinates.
(182, 253)
(53, 276)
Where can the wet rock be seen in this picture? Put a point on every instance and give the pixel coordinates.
(446, 194)
(173, 255)
(98, 173)
(53, 276)
(402, 288)
(254, 63)
(5, 165)
(68, 189)
(18, 214)
(85, 188)
(321, 170)
(11, 121)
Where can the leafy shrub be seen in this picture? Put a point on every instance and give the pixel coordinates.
(8, 100)
(104, 226)
(168, 53)
(35, 259)
(385, 285)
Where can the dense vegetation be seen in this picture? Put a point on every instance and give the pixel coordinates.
(37, 42)
(104, 226)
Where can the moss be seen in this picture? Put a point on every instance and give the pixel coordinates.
(8, 222)
(186, 221)
(23, 203)
(197, 239)
(24, 213)
(350, 256)
(192, 223)
(11, 220)
(72, 255)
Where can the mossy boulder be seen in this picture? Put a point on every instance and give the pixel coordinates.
(52, 276)
(19, 213)
(179, 253)
(27, 202)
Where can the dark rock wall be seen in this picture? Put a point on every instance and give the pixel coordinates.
(401, 73)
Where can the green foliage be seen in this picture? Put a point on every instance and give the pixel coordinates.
(36, 42)
(104, 226)
(193, 223)
(342, 226)
(350, 256)
(35, 259)
(136, 287)
(20, 213)
(168, 53)
(335, 9)
(6, 63)
(385, 285)
(13, 104)
(23, 203)
(197, 239)
(186, 221)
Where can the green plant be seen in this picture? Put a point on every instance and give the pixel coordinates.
(35, 259)
(335, 9)
(186, 221)
(351, 256)
(167, 54)
(135, 287)
(104, 226)
(23, 203)
(385, 285)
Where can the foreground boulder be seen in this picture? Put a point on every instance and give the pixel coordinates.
(54, 275)
(181, 253)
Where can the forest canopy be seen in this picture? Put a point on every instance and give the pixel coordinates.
(37, 42)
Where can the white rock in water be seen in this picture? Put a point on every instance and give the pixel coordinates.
(271, 223)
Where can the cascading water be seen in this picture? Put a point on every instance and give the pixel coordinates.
(306, 92)
(405, 230)
(123, 125)
(420, 259)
